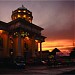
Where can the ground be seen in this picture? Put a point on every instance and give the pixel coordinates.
(37, 70)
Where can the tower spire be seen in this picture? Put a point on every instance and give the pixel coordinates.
(22, 5)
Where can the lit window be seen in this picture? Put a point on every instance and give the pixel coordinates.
(19, 16)
(24, 11)
(24, 16)
(19, 11)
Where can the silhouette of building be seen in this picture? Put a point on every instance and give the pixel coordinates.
(72, 54)
(20, 37)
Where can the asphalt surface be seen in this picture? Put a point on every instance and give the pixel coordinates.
(39, 70)
(68, 73)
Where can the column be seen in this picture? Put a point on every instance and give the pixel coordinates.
(41, 50)
(33, 47)
(19, 44)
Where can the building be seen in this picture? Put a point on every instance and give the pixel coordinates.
(20, 37)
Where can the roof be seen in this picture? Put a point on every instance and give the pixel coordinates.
(25, 22)
(3, 25)
(56, 50)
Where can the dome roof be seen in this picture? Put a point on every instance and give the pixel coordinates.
(22, 7)
(22, 12)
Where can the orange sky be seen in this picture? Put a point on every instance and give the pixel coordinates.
(65, 46)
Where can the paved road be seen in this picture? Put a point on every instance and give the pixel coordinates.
(35, 70)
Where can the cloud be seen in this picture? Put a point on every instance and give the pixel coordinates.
(36, 0)
(56, 17)
(60, 24)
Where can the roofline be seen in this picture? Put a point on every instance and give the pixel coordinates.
(23, 20)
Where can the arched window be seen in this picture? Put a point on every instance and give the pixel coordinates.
(1, 42)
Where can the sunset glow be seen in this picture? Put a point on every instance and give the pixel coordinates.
(65, 46)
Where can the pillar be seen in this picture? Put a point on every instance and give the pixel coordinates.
(19, 44)
(41, 50)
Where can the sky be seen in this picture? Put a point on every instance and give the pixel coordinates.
(55, 16)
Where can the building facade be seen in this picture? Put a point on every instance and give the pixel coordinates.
(20, 37)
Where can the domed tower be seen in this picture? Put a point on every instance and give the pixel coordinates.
(23, 13)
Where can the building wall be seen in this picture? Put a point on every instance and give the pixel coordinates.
(17, 51)
(27, 45)
(4, 51)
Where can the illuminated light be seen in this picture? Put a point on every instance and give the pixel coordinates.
(19, 11)
(15, 17)
(1, 31)
(52, 56)
(14, 33)
(24, 11)
(11, 42)
(19, 16)
(27, 38)
(28, 13)
(22, 34)
(24, 16)
(29, 17)
(30, 21)
(10, 37)
(11, 53)
(36, 40)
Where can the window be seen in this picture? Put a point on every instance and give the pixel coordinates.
(24, 16)
(24, 11)
(19, 11)
(19, 16)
